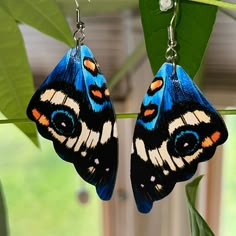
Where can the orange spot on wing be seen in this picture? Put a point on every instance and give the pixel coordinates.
(207, 142)
(43, 120)
(36, 114)
(156, 84)
(97, 93)
(215, 137)
(90, 65)
(149, 112)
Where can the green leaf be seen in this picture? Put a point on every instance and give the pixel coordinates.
(3, 215)
(44, 15)
(198, 225)
(218, 3)
(193, 29)
(15, 74)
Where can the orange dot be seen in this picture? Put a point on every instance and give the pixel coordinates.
(90, 65)
(215, 136)
(149, 112)
(207, 142)
(44, 121)
(97, 93)
(36, 114)
(156, 84)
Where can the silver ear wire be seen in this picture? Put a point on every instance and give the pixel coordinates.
(79, 34)
(171, 53)
(175, 13)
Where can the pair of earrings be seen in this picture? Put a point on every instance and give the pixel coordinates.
(175, 130)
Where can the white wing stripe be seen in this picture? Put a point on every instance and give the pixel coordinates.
(58, 98)
(60, 138)
(202, 116)
(155, 157)
(141, 150)
(83, 137)
(71, 142)
(178, 161)
(189, 159)
(92, 139)
(47, 95)
(190, 118)
(73, 105)
(175, 124)
(165, 156)
(115, 134)
(106, 132)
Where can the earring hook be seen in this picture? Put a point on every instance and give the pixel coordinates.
(77, 4)
(174, 15)
(171, 53)
(79, 34)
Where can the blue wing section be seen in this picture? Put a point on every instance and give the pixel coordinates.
(184, 89)
(67, 70)
(73, 109)
(151, 105)
(176, 128)
(94, 80)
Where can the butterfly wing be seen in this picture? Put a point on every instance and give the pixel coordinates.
(104, 160)
(64, 113)
(175, 130)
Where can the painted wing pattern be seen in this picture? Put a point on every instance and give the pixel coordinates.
(175, 130)
(73, 109)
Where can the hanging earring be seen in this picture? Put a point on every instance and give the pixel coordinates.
(73, 109)
(176, 128)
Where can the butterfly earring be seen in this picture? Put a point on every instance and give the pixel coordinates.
(73, 109)
(176, 128)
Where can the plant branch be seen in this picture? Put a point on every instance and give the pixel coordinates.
(118, 116)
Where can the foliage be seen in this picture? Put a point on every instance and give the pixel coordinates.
(197, 224)
(15, 73)
(3, 215)
(193, 29)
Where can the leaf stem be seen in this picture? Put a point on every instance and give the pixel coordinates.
(126, 115)
(227, 112)
(217, 3)
(14, 121)
(118, 116)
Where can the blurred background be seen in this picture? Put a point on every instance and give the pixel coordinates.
(45, 196)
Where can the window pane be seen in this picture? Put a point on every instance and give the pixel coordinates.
(41, 190)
